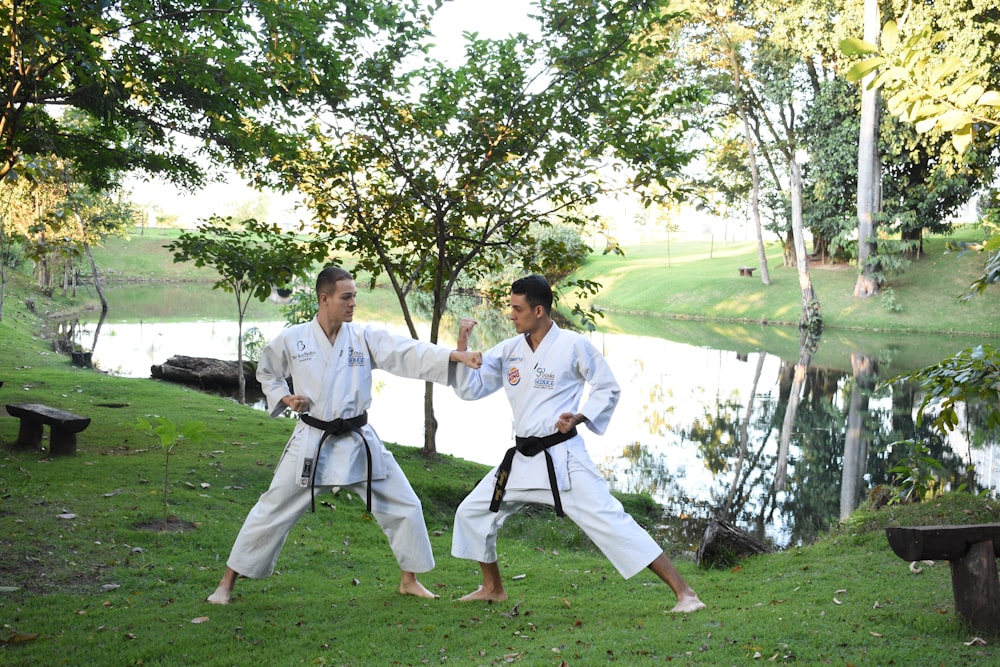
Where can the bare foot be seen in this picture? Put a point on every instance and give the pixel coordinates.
(485, 595)
(415, 588)
(688, 604)
(220, 596)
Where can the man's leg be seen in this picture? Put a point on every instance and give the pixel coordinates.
(264, 531)
(398, 512)
(492, 589)
(687, 599)
(590, 505)
(474, 537)
(225, 588)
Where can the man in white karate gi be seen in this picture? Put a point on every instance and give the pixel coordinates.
(330, 361)
(543, 370)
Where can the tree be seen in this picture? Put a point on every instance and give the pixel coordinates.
(763, 70)
(869, 170)
(251, 258)
(433, 176)
(146, 73)
(170, 89)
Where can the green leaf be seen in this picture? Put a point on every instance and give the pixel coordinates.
(962, 140)
(990, 98)
(890, 36)
(859, 70)
(852, 46)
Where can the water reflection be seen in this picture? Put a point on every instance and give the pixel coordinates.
(697, 428)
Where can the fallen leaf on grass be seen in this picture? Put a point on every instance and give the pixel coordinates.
(874, 634)
(20, 638)
(975, 641)
(200, 619)
(66, 515)
(513, 611)
(109, 587)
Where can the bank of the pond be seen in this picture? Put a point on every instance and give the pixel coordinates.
(700, 280)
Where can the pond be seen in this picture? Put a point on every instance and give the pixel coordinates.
(689, 392)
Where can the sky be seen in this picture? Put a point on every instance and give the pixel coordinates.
(489, 18)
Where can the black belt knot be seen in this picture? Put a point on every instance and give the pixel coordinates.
(531, 446)
(338, 426)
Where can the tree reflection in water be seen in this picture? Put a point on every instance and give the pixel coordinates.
(841, 448)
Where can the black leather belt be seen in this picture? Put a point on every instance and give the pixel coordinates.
(336, 427)
(531, 446)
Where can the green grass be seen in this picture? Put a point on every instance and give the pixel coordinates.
(693, 280)
(103, 588)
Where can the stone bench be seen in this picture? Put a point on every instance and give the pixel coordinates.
(971, 551)
(746, 271)
(63, 427)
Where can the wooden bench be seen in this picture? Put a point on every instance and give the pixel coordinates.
(63, 427)
(746, 271)
(971, 551)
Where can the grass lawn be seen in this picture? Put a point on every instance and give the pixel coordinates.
(695, 280)
(88, 576)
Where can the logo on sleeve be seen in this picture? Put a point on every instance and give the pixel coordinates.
(513, 376)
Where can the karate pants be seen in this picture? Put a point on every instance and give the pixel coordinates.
(395, 507)
(588, 503)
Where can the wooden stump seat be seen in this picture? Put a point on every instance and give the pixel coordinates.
(971, 551)
(63, 427)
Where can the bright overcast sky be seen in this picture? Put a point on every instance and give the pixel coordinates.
(492, 19)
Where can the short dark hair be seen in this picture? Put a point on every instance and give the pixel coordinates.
(535, 289)
(328, 278)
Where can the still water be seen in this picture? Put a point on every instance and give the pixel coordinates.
(677, 431)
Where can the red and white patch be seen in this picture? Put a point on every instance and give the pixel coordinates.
(513, 376)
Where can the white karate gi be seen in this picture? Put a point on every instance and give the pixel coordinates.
(338, 382)
(541, 385)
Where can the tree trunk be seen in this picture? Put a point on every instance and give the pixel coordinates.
(765, 275)
(241, 378)
(100, 294)
(744, 437)
(869, 170)
(855, 440)
(430, 421)
(811, 318)
(723, 545)
(791, 409)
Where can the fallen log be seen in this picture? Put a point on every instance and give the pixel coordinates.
(206, 372)
(723, 545)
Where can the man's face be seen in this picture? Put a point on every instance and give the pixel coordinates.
(339, 306)
(524, 317)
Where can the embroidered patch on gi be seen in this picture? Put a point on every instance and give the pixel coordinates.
(513, 376)
(303, 354)
(355, 357)
(544, 380)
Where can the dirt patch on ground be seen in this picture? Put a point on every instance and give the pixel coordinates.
(173, 525)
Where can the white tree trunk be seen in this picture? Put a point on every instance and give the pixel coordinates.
(869, 169)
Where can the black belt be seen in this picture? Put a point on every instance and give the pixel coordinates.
(531, 447)
(336, 427)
